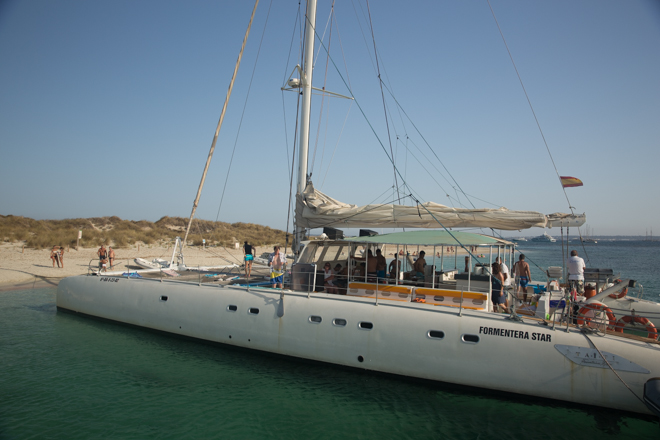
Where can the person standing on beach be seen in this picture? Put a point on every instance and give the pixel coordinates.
(277, 263)
(54, 256)
(523, 276)
(249, 257)
(61, 255)
(111, 256)
(103, 257)
(576, 272)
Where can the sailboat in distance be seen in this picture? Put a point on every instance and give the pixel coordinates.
(427, 323)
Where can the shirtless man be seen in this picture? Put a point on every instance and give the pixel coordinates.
(523, 276)
(103, 257)
(418, 267)
(381, 264)
(277, 262)
(111, 256)
(395, 267)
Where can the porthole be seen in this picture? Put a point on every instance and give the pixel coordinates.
(385, 294)
(436, 334)
(339, 322)
(477, 302)
(438, 298)
(315, 319)
(365, 325)
(403, 295)
(253, 311)
(470, 339)
(457, 300)
(163, 298)
(353, 290)
(232, 308)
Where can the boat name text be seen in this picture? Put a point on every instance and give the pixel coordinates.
(516, 334)
(111, 280)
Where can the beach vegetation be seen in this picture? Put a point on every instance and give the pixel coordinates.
(114, 231)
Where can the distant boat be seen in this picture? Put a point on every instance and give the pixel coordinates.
(519, 239)
(544, 238)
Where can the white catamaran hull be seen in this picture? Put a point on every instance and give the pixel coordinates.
(415, 340)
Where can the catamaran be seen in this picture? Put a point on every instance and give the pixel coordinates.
(437, 324)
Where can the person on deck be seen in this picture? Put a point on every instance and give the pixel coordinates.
(576, 272)
(395, 267)
(381, 264)
(341, 279)
(328, 279)
(498, 296)
(248, 257)
(277, 263)
(419, 265)
(371, 262)
(523, 276)
(505, 271)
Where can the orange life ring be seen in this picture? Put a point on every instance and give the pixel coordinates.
(629, 319)
(619, 295)
(582, 319)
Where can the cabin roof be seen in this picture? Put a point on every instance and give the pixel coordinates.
(433, 238)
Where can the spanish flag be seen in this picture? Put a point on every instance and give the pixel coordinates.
(568, 181)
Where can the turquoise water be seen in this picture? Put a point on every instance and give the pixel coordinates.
(66, 376)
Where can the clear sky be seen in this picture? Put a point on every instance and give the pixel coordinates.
(109, 107)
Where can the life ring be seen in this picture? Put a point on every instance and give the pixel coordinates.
(629, 319)
(583, 319)
(621, 294)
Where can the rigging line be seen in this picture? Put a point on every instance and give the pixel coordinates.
(337, 143)
(382, 94)
(240, 124)
(293, 34)
(427, 171)
(217, 130)
(364, 38)
(530, 106)
(327, 23)
(433, 165)
(426, 142)
(322, 106)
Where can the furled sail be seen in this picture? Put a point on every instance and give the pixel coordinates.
(315, 210)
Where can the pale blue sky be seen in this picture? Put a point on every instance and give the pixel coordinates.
(109, 107)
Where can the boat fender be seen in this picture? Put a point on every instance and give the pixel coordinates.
(621, 294)
(582, 319)
(630, 319)
(652, 395)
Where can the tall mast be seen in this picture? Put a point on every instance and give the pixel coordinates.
(306, 90)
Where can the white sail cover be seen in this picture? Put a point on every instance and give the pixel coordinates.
(316, 210)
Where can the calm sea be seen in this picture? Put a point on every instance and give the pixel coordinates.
(65, 376)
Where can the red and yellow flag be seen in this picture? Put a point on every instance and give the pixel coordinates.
(568, 181)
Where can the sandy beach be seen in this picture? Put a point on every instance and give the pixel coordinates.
(21, 266)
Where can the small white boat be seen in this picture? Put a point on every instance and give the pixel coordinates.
(156, 263)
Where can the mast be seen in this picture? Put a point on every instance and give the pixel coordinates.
(217, 130)
(306, 90)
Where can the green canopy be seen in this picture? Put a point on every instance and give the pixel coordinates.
(433, 238)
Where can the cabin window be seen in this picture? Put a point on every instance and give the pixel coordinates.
(470, 339)
(163, 298)
(365, 325)
(456, 299)
(315, 319)
(438, 298)
(253, 311)
(232, 308)
(338, 322)
(436, 334)
(477, 302)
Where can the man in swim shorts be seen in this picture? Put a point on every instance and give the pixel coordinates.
(418, 267)
(381, 264)
(277, 262)
(523, 276)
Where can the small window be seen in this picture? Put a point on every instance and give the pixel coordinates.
(477, 302)
(438, 298)
(366, 325)
(353, 290)
(253, 311)
(403, 295)
(339, 322)
(457, 300)
(315, 319)
(163, 298)
(470, 339)
(232, 308)
(385, 294)
(436, 334)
